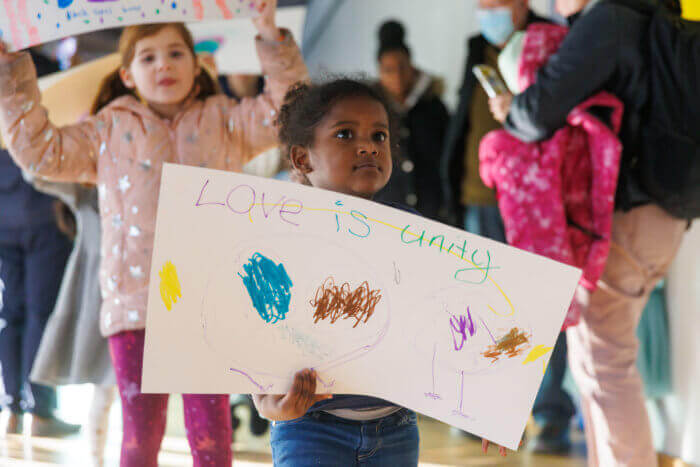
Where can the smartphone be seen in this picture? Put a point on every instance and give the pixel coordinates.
(490, 81)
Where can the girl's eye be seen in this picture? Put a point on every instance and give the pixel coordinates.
(379, 136)
(148, 59)
(344, 134)
(176, 54)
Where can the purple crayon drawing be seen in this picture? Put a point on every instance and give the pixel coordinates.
(433, 395)
(459, 326)
(487, 329)
(257, 385)
(328, 384)
(461, 398)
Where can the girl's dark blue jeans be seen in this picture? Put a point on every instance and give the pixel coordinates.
(322, 439)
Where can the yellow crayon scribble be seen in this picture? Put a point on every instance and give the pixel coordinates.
(536, 353)
(169, 285)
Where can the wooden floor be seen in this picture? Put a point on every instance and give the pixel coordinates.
(440, 446)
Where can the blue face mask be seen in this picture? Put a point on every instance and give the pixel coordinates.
(496, 24)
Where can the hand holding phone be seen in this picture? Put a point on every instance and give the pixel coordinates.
(490, 80)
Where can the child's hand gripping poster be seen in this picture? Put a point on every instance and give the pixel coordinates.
(25, 23)
(254, 279)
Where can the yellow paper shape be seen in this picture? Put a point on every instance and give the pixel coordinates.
(691, 9)
(169, 285)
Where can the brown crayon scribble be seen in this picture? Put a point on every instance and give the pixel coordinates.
(336, 302)
(512, 345)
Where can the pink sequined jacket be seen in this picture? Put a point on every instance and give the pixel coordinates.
(557, 196)
(122, 150)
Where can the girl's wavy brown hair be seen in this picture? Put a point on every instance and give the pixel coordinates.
(112, 86)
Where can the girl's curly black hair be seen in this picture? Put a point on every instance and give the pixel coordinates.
(307, 104)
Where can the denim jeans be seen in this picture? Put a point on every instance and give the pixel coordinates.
(553, 405)
(32, 260)
(322, 439)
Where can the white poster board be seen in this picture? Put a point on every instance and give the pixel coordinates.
(253, 279)
(25, 23)
(230, 42)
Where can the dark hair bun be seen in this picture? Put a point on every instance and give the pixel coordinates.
(392, 33)
(391, 38)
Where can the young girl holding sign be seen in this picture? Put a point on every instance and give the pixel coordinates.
(340, 136)
(158, 107)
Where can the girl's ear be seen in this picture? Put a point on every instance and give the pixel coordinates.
(299, 156)
(127, 78)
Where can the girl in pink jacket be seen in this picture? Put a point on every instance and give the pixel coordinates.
(158, 107)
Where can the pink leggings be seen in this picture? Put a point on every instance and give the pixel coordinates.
(207, 417)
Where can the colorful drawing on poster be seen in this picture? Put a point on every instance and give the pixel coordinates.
(208, 45)
(25, 23)
(459, 327)
(268, 286)
(536, 353)
(335, 302)
(383, 303)
(224, 9)
(169, 285)
(511, 345)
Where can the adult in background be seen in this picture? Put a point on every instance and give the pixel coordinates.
(606, 50)
(473, 205)
(415, 96)
(33, 255)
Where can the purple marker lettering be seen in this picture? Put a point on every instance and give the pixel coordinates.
(295, 204)
(265, 212)
(201, 193)
(252, 201)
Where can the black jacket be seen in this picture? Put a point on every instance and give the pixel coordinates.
(452, 163)
(605, 50)
(415, 179)
(21, 206)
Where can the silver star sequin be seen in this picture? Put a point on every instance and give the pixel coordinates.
(146, 165)
(124, 184)
(134, 231)
(136, 272)
(117, 220)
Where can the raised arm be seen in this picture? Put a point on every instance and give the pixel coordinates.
(252, 121)
(583, 64)
(59, 154)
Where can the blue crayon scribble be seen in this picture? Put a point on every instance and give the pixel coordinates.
(268, 285)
